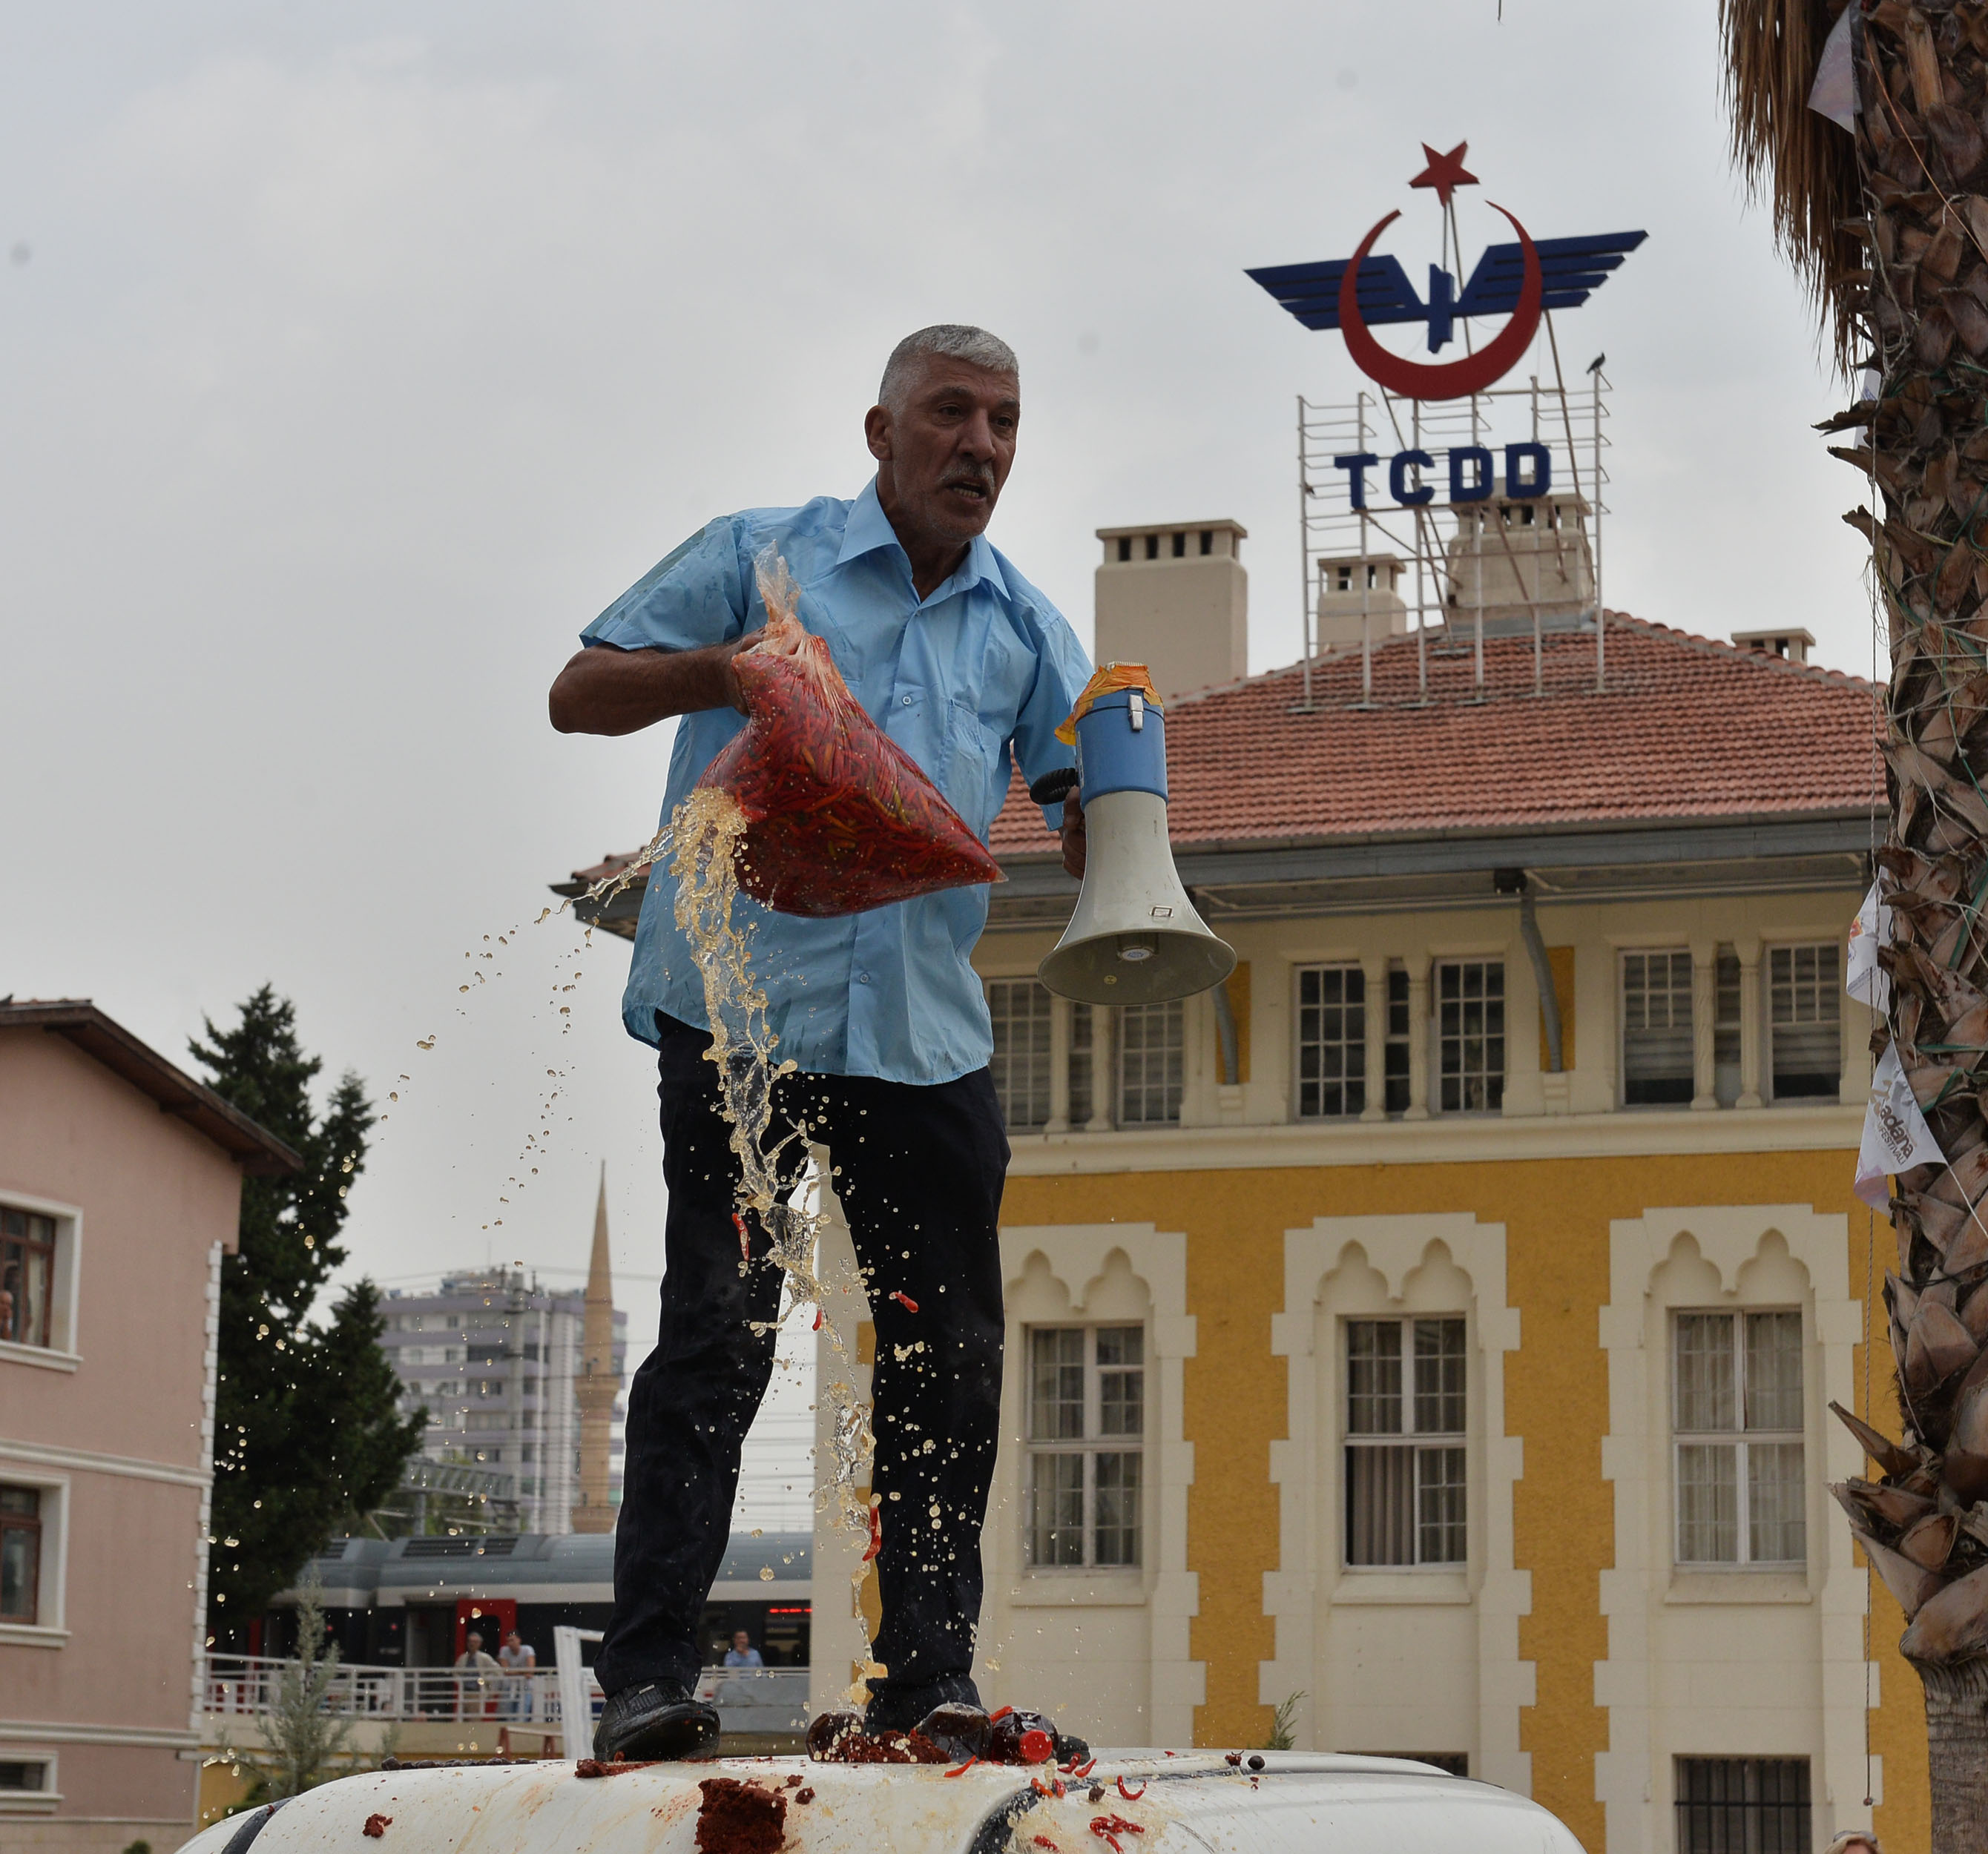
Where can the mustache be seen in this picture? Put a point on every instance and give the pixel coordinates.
(982, 475)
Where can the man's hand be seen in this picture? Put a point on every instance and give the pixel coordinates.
(605, 690)
(1072, 833)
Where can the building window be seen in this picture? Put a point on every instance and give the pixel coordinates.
(1082, 1064)
(1657, 1067)
(1394, 1049)
(1736, 1412)
(1405, 1442)
(23, 1774)
(1743, 1805)
(1804, 987)
(1020, 1010)
(1152, 547)
(1180, 547)
(1726, 1027)
(1208, 540)
(1151, 1045)
(20, 1554)
(27, 1276)
(1124, 547)
(1470, 1033)
(1086, 1421)
(1331, 1042)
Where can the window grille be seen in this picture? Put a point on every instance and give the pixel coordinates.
(1470, 1021)
(1151, 1043)
(1736, 1414)
(27, 1276)
(1804, 991)
(1331, 1042)
(1657, 1066)
(1405, 1425)
(1086, 1388)
(1394, 1049)
(20, 1554)
(1019, 1010)
(1743, 1805)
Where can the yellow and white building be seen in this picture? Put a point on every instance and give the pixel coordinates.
(1437, 1323)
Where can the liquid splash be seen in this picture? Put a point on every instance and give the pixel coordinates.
(705, 829)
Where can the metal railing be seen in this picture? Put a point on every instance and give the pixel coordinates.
(243, 1686)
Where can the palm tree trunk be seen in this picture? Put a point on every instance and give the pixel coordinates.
(1915, 313)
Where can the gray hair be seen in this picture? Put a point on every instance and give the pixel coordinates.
(955, 341)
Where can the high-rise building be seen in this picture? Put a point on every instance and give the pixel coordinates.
(494, 1357)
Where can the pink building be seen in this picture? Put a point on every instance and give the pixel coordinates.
(120, 1184)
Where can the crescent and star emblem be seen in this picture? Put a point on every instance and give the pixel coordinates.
(1522, 280)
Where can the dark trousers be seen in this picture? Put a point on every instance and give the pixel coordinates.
(920, 1172)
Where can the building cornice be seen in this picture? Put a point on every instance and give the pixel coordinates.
(1458, 1140)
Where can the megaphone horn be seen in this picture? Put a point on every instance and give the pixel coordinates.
(1134, 938)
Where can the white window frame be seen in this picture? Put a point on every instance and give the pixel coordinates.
(1356, 1078)
(1177, 1009)
(43, 1802)
(1088, 1447)
(50, 1628)
(1831, 988)
(1029, 986)
(1740, 1439)
(1407, 1437)
(1437, 1037)
(61, 1352)
(1669, 955)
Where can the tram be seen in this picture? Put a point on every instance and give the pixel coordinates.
(414, 1602)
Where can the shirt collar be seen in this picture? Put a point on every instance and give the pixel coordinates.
(868, 528)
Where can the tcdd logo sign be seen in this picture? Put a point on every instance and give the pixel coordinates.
(1528, 474)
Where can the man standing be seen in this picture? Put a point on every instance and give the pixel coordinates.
(962, 662)
(741, 1653)
(473, 1669)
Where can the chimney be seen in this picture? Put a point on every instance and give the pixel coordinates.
(1794, 645)
(596, 1382)
(1176, 598)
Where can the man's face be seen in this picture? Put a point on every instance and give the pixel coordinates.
(945, 454)
(740, 1641)
(476, 1644)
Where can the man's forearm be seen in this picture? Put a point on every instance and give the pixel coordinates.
(606, 690)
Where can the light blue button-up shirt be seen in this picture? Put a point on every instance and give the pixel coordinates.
(984, 668)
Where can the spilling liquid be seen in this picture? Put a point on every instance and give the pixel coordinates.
(775, 1187)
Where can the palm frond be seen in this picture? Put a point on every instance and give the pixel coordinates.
(1800, 164)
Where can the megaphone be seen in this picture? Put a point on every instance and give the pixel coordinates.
(1135, 938)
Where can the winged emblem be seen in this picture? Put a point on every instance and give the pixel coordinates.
(1570, 271)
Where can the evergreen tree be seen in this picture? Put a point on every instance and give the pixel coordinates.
(307, 1432)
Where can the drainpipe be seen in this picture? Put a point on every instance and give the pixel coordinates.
(1227, 1048)
(1512, 881)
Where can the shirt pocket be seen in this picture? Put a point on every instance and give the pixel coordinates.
(977, 780)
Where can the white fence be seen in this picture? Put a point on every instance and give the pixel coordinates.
(748, 1699)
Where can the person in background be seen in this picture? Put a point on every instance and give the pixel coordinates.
(474, 1670)
(741, 1653)
(518, 1661)
(1854, 1841)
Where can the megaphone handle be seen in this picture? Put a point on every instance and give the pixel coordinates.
(1053, 788)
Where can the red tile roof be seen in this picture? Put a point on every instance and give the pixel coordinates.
(1686, 727)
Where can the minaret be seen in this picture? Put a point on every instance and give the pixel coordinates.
(596, 1382)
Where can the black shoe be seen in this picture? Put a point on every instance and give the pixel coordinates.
(960, 1730)
(658, 1720)
(1070, 1748)
(901, 1708)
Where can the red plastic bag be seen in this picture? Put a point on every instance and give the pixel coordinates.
(839, 817)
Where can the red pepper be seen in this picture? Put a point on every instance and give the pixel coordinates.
(876, 1534)
(1042, 1841)
(963, 1768)
(995, 1718)
(1131, 1795)
(817, 1319)
(745, 1243)
(906, 1301)
(1109, 1828)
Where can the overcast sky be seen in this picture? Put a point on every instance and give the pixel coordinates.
(354, 356)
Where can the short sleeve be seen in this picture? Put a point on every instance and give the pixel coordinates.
(1062, 669)
(696, 595)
